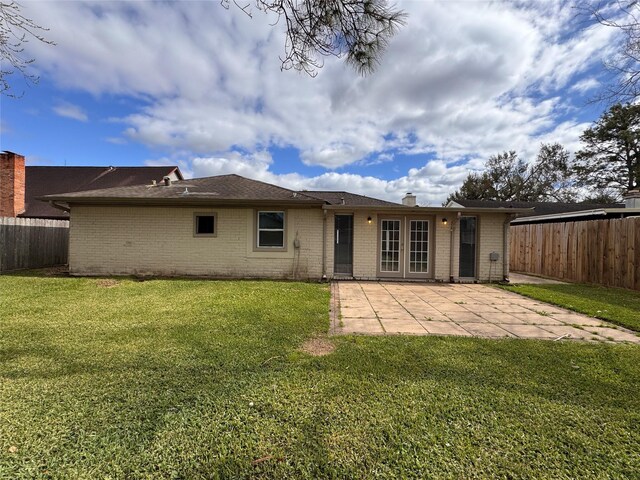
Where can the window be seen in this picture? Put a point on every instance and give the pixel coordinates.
(204, 224)
(271, 229)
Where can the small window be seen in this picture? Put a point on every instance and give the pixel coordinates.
(205, 224)
(271, 229)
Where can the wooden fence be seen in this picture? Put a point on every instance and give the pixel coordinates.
(606, 252)
(32, 243)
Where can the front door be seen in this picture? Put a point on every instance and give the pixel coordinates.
(468, 235)
(343, 245)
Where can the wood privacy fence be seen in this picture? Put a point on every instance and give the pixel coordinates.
(32, 243)
(606, 252)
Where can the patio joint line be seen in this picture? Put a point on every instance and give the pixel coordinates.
(384, 330)
(405, 308)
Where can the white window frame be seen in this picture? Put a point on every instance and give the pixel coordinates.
(205, 214)
(283, 230)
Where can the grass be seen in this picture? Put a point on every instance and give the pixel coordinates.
(206, 379)
(616, 305)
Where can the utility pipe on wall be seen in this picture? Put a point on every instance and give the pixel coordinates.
(452, 245)
(324, 245)
(505, 247)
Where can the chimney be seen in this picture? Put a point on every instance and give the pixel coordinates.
(11, 184)
(409, 200)
(632, 199)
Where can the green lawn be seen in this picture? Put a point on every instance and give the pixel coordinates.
(613, 304)
(205, 379)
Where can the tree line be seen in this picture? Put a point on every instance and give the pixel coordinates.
(605, 168)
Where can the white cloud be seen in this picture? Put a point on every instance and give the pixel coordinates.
(463, 80)
(585, 85)
(431, 183)
(69, 110)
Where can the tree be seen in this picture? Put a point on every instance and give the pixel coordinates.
(357, 30)
(509, 178)
(610, 158)
(625, 64)
(15, 31)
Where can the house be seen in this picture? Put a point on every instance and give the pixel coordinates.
(20, 186)
(548, 212)
(231, 226)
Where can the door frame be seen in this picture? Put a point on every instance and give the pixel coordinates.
(405, 238)
(476, 264)
(335, 238)
(431, 244)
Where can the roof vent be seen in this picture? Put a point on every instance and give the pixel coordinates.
(167, 180)
(186, 191)
(632, 199)
(409, 200)
(342, 200)
(154, 183)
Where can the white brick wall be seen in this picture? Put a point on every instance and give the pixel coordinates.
(365, 247)
(125, 240)
(157, 240)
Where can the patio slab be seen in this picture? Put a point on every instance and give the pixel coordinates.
(391, 308)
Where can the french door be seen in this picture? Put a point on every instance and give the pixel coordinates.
(404, 247)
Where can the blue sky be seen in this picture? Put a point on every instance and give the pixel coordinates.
(193, 84)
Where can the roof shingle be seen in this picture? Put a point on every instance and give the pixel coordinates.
(41, 181)
(218, 189)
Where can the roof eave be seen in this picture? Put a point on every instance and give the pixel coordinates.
(423, 210)
(178, 202)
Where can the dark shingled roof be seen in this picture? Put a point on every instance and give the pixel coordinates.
(539, 208)
(353, 199)
(41, 181)
(219, 189)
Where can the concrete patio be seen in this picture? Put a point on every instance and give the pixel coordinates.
(385, 308)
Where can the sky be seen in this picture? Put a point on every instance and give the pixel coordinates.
(199, 86)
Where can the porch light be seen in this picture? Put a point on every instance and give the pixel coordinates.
(369, 220)
(444, 221)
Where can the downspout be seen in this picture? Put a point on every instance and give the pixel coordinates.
(505, 247)
(451, 246)
(324, 245)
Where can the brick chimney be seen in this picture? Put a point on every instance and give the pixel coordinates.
(632, 199)
(11, 184)
(409, 200)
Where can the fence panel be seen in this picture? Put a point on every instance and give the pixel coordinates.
(32, 243)
(606, 252)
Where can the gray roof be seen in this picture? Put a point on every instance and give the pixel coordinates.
(40, 181)
(231, 189)
(336, 198)
(539, 208)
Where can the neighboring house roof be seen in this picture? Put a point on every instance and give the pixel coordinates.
(41, 181)
(347, 198)
(232, 189)
(539, 208)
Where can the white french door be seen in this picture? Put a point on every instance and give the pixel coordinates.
(404, 247)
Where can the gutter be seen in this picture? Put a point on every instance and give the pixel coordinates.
(581, 213)
(401, 209)
(59, 206)
(505, 246)
(178, 202)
